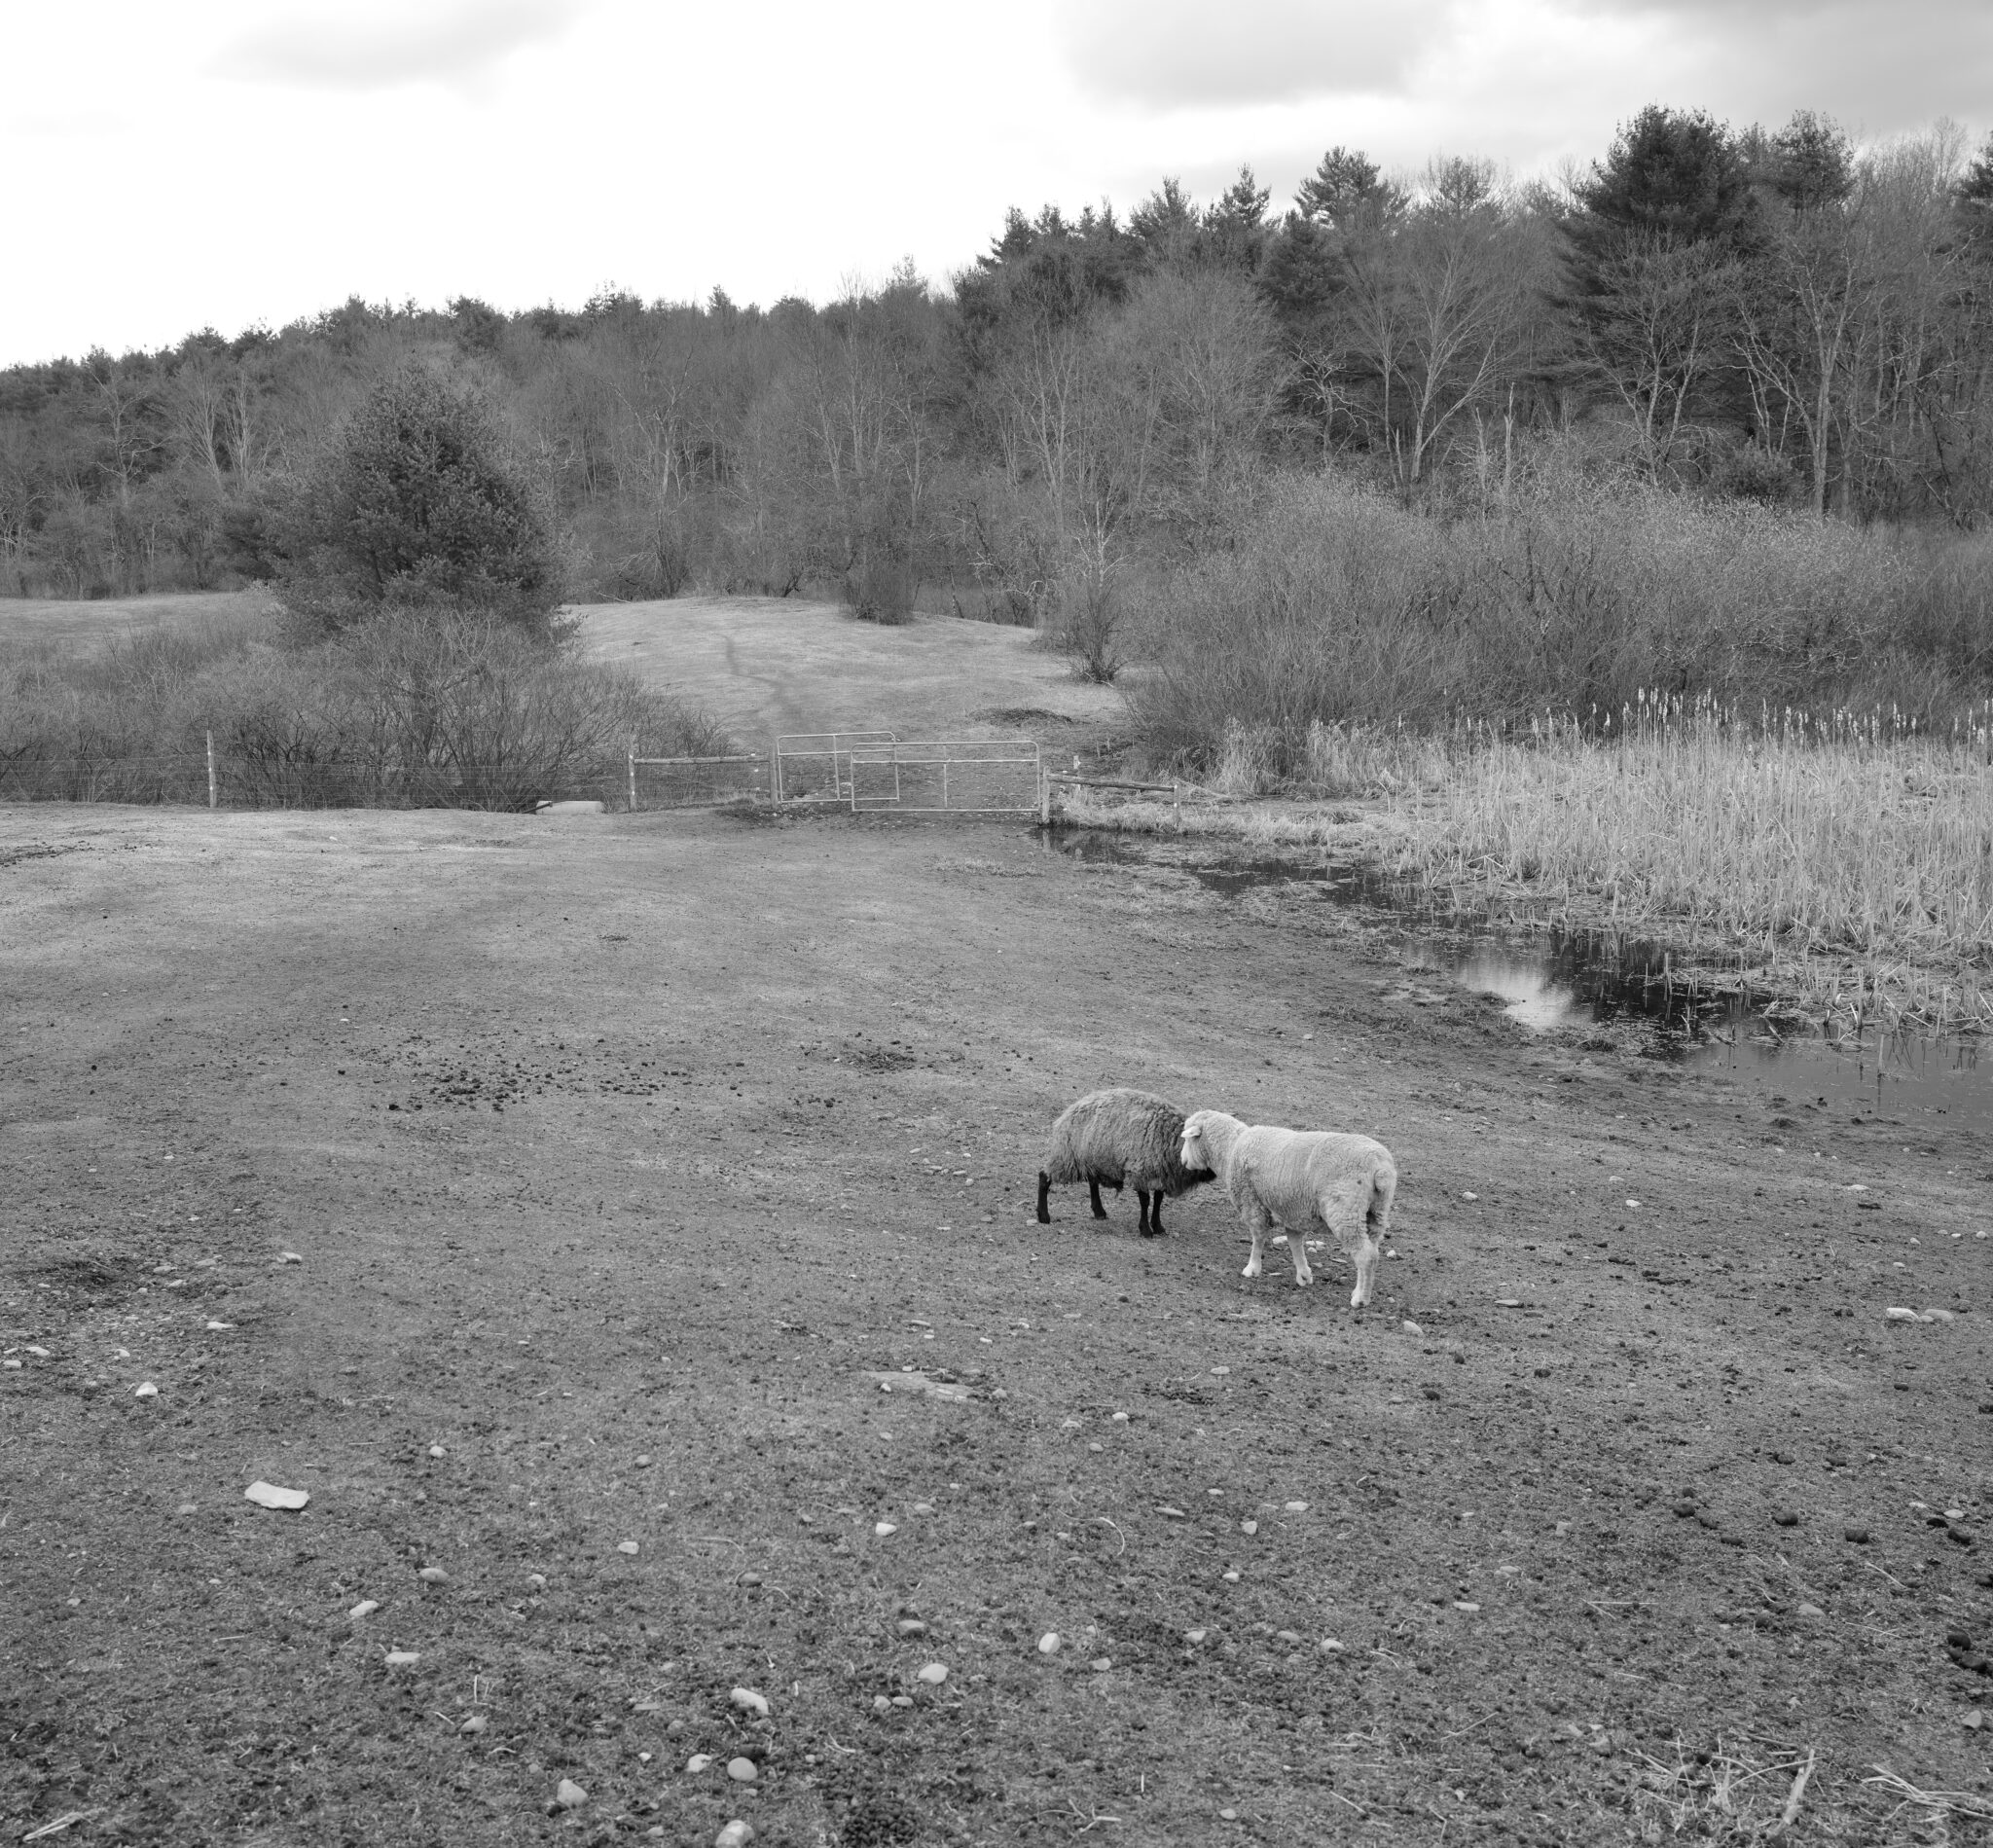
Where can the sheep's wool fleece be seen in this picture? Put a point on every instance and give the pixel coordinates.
(1287, 1168)
(1120, 1137)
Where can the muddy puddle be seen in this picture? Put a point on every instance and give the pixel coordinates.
(1556, 981)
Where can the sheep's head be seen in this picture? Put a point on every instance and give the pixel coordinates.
(1193, 1155)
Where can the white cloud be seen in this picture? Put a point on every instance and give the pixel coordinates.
(453, 44)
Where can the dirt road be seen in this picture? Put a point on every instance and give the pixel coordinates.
(547, 1200)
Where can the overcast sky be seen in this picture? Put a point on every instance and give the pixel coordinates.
(182, 164)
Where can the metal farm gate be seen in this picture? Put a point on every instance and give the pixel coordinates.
(865, 772)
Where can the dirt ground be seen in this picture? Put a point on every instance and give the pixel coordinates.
(546, 1199)
(765, 665)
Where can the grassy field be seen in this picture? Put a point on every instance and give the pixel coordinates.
(549, 1200)
(63, 623)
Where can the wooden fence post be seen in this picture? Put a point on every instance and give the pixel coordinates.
(632, 776)
(210, 771)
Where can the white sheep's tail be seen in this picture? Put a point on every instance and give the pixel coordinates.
(1382, 1191)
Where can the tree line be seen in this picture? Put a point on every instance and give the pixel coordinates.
(1772, 315)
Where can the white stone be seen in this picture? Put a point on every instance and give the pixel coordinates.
(366, 1608)
(742, 1770)
(267, 1495)
(1248, 1527)
(934, 1674)
(433, 1575)
(401, 1659)
(750, 1702)
(1048, 1643)
(883, 1528)
(1296, 1507)
(477, 1723)
(1193, 1636)
(437, 1450)
(628, 1546)
(570, 1795)
(221, 1325)
(1411, 1327)
(699, 1762)
(734, 1836)
(147, 1391)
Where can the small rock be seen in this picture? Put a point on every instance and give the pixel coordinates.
(698, 1762)
(928, 1508)
(1194, 1636)
(1248, 1527)
(1221, 1369)
(267, 1495)
(221, 1325)
(403, 1659)
(1411, 1327)
(629, 1547)
(881, 1704)
(911, 1627)
(1785, 1518)
(1902, 1315)
(186, 1507)
(1633, 1203)
(1330, 1646)
(1471, 1196)
(437, 1450)
(1811, 1610)
(147, 1391)
(1975, 1720)
(883, 1528)
(1101, 1664)
(1291, 1638)
(934, 1674)
(1173, 1514)
(644, 1462)
(902, 1700)
(742, 1770)
(1228, 1816)
(1230, 1578)
(1120, 1418)
(1938, 1314)
(1684, 1507)
(1048, 1643)
(538, 1581)
(290, 1257)
(42, 1354)
(1562, 1527)
(570, 1795)
(1465, 1604)
(366, 1608)
(750, 1702)
(1781, 1456)
(433, 1575)
(1859, 1535)
(1296, 1507)
(734, 1836)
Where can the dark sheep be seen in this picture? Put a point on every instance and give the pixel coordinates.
(1120, 1137)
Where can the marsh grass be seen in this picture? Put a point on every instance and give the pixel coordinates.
(1844, 859)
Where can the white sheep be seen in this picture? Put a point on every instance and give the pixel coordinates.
(1300, 1177)
(1116, 1137)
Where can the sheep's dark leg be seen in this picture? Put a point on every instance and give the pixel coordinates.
(1044, 1189)
(1093, 1187)
(1154, 1228)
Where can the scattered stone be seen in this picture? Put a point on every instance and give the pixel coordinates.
(437, 1450)
(911, 1627)
(1684, 1507)
(902, 1700)
(1465, 1604)
(570, 1795)
(221, 1325)
(883, 1528)
(1781, 1456)
(433, 1575)
(934, 1674)
(1563, 1528)
(42, 1354)
(1508, 1302)
(1173, 1514)
(1221, 1369)
(1811, 1610)
(1330, 1646)
(1938, 1314)
(267, 1495)
(750, 1702)
(644, 1462)
(1633, 1203)
(1248, 1527)
(147, 1391)
(1101, 1664)
(1975, 1720)
(1471, 1196)
(1902, 1315)
(1859, 1535)
(1230, 1578)
(186, 1507)
(477, 1723)
(699, 1762)
(1228, 1816)
(1048, 1643)
(290, 1257)
(403, 1659)
(1296, 1507)
(538, 1581)
(915, 1381)
(742, 1770)
(928, 1508)
(1785, 1518)
(881, 1704)
(1411, 1327)
(366, 1608)
(1194, 1636)
(734, 1836)
(1291, 1638)
(1120, 1418)
(629, 1547)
